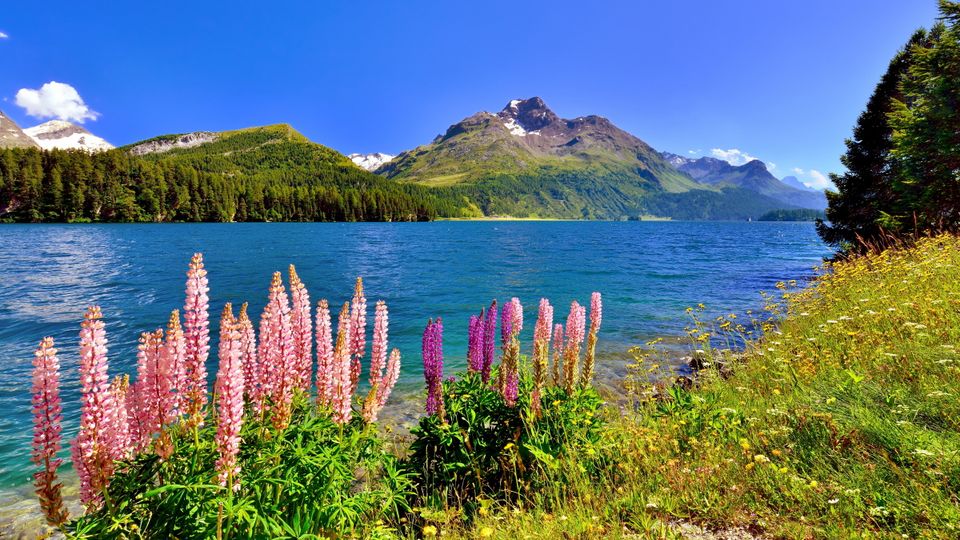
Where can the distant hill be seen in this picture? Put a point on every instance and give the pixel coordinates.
(752, 176)
(269, 173)
(527, 161)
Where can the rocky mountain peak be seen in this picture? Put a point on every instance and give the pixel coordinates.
(11, 136)
(531, 114)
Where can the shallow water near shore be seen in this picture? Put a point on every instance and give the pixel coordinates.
(648, 273)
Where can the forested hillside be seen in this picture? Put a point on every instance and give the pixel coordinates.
(260, 174)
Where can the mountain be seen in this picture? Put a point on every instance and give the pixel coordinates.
(752, 176)
(58, 134)
(11, 136)
(370, 162)
(527, 161)
(793, 182)
(528, 137)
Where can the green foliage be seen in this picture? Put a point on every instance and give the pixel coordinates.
(263, 174)
(484, 449)
(312, 479)
(903, 158)
(802, 214)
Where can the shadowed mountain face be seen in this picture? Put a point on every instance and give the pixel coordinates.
(752, 176)
(11, 136)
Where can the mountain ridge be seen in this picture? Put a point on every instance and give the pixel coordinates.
(753, 176)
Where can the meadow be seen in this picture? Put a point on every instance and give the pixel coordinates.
(832, 413)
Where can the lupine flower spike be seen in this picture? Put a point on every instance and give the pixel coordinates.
(489, 341)
(596, 314)
(90, 450)
(175, 356)
(557, 354)
(248, 355)
(229, 391)
(509, 376)
(378, 362)
(280, 360)
(475, 343)
(341, 386)
(358, 337)
(197, 333)
(302, 330)
(47, 416)
(541, 351)
(324, 354)
(118, 432)
(576, 322)
(389, 379)
(433, 366)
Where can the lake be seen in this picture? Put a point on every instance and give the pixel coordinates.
(648, 272)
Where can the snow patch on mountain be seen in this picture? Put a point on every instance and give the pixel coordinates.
(370, 162)
(62, 135)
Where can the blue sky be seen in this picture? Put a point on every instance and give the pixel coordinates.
(780, 81)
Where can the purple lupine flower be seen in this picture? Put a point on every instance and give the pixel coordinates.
(433, 366)
(475, 343)
(506, 323)
(489, 341)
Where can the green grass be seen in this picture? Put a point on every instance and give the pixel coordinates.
(844, 421)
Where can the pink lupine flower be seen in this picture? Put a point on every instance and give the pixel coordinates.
(378, 354)
(265, 363)
(389, 379)
(324, 354)
(517, 315)
(118, 430)
(91, 450)
(358, 337)
(229, 390)
(557, 353)
(197, 333)
(47, 416)
(280, 360)
(541, 350)
(341, 386)
(302, 331)
(248, 354)
(174, 366)
(576, 325)
(379, 380)
(149, 398)
(596, 314)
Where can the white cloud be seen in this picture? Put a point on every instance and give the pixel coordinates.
(733, 156)
(4, 35)
(693, 152)
(818, 180)
(736, 157)
(813, 178)
(55, 100)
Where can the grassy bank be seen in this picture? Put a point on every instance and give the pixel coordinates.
(842, 422)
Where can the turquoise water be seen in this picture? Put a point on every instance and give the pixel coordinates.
(648, 273)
